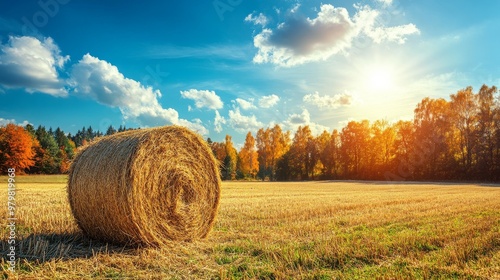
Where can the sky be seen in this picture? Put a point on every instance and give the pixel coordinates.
(232, 66)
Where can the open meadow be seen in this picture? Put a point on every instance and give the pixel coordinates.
(302, 230)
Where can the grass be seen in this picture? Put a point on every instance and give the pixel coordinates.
(306, 230)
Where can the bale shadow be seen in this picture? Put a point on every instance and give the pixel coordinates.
(40, 248)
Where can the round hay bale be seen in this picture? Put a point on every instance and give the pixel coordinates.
(145, 187)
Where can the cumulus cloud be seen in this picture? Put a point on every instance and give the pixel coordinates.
(366, 19)
(300, 39)
(327, 101)
(245, 104)
(269, 101)
(393, 34)
(4, 122)
(203, 98)
(104, 83)
(29, 63)
(295, 120)
(260, 19)
(218, 121)
(243, 123)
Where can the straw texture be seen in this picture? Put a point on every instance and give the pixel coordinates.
(145, 187)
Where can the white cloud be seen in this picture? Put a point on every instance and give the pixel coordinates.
(396, 34)
(260, 19)
(385, 2)
(104, 83)
(295, 8)
(302, 118)
(269, 101)
(26, 62)
(366, 23)
(245, 104)
(203, 98)
(295, 120)
(243, 123)
(218, 121)
(300, 39)
(4, 122)
(327, 101)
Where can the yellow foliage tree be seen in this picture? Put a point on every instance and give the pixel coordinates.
(249, 162)
(231, 160)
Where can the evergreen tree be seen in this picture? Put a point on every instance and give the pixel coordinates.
(111, 130)
(48, 157)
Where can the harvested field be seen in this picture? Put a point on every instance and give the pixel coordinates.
(306, 230)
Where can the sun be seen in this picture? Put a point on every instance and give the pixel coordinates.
(379, 78)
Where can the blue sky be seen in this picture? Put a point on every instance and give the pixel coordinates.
(232, 66)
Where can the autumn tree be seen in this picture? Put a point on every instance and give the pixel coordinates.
(300, 163)
(486, 130)
(312, 158)
(231, 160)
(16, 148)
(283, 169)
(496, 152)
(264, 147)
(432, 156)
(322, 142)
(249, 163)
(280, 143)
(382, 143)
(330, 154)
(464, 113)
(403, 151)
(219, 151)
(355, 139)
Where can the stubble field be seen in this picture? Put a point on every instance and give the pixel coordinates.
(303, 230)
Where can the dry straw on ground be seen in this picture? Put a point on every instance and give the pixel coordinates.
(145, 187)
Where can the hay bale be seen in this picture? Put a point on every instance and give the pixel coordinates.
(145, 187)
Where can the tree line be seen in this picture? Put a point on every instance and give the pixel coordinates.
(455, 139)
(42, 151)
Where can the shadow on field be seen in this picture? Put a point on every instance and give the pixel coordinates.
(47, 247)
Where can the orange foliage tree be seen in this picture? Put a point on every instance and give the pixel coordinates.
(16, 148)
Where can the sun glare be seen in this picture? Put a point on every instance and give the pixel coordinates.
(380, 79)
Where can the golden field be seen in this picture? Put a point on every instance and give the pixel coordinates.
(302, 230)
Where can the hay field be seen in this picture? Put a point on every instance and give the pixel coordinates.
(306, 230)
